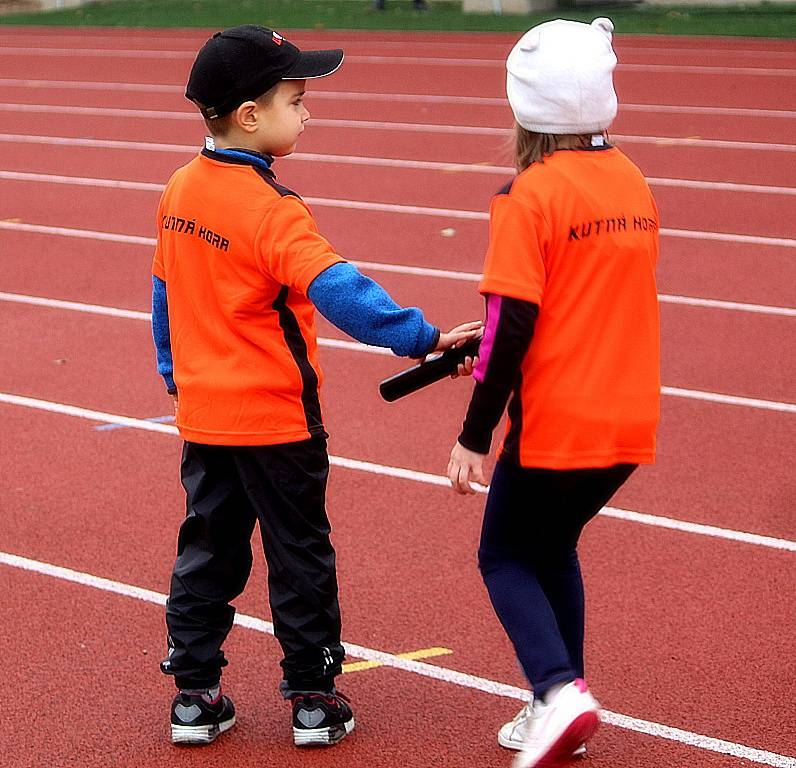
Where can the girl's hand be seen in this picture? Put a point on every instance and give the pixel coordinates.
(465, 368)
(465, 466)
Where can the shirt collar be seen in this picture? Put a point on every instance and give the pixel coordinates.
(237, 155)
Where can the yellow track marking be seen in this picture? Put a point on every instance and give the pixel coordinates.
(424, 653)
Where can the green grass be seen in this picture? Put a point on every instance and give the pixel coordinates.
(763, 20)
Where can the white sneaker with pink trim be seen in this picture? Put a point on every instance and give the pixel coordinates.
(559, 727)
(512, 735)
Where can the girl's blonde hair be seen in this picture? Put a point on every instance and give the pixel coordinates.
(531, 147)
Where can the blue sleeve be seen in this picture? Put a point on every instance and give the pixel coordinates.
(363, 309)
(160, 333)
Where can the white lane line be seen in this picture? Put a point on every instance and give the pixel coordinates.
(85, 413)
(110, 112)
(690, 69)
(82, 181)
(110, 427)
(414, 210)
(80, 233)
(668, 141)
(727, 237)
(314, 157)
(429, 61)
(101, 53)
(641, 518)
(476, 130)
(739, 306)
(132, 314)
(683, 109)
(496, 101)
(367, 161)
(90, 85)
(412, 475)
(714, 397)
(355, 346)
(467, 277)
(702, 52)
(501, 47)
(402, 269)
(432, 671)
(361, 205)
(659, 521)
(501, 63)
(386, 162)
(722, 186)
(381, 125)
(69, 141)
(75, 306)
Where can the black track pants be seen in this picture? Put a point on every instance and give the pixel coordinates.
(229, 489)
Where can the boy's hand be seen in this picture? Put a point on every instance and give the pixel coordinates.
(465, 466)
(458, 335)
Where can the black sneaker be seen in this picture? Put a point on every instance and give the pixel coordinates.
(197, 717)
(320, 719)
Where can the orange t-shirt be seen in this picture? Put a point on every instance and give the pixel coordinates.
(238, 253)
(578, 236)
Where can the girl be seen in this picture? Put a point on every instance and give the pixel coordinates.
(572, 341)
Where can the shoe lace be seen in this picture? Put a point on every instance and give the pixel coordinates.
(336, 697)
(524, 715)
(340, 695)
(332, 698)
(210, 696)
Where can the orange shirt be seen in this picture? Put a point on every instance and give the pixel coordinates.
(237, 253)
(578, 235)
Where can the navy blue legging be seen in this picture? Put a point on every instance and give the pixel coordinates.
(529, 561)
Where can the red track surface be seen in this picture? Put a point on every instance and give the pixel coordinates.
(684, 630)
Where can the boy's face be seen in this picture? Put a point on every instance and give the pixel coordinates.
(281, 121)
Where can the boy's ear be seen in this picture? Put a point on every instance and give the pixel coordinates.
(246, 116)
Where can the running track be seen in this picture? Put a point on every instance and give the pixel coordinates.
(690, 573)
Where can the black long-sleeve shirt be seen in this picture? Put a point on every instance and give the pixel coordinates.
(509, 329)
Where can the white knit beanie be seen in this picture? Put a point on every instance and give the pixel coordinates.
(560, 77)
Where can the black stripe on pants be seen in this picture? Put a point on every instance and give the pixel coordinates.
(229, 489)
(529, 562)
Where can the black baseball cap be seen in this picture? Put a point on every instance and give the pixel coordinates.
(242, 63)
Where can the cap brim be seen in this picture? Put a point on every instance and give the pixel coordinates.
(315, 64)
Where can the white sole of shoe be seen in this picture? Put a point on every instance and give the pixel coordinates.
(199, 734)
(322, 737)
(518, 744)
(560, 752)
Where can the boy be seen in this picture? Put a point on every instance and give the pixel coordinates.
(238, 271)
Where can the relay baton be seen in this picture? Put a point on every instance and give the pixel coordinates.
(425, 373)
